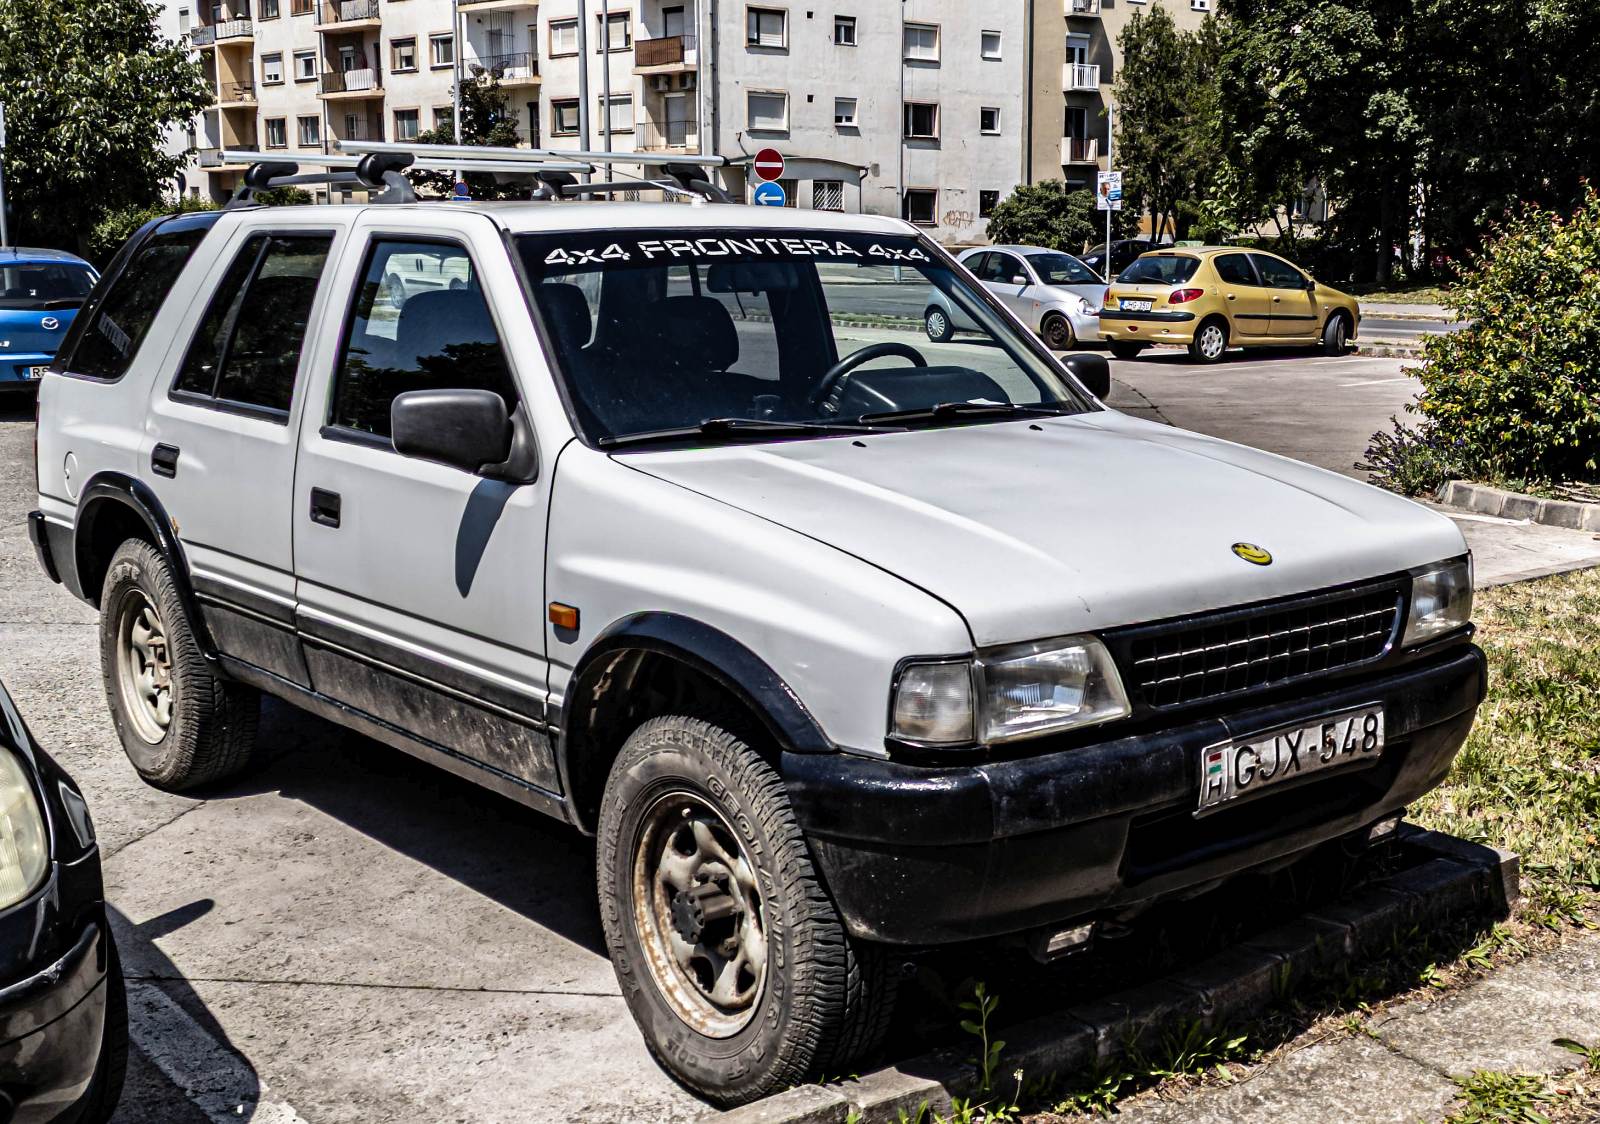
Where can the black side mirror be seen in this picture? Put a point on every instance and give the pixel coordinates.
(1311, 284)
(1091, 370)
(465, 429)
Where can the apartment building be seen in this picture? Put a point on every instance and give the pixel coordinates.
(915, 107)
(1075, 63)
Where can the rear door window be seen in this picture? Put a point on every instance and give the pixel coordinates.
(1234, 269)
(1277, 274)
(117, 321)
(247, 349)
(1160, 269)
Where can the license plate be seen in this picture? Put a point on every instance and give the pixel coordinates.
(37, 372)
(1234, 770)
(1136, 306)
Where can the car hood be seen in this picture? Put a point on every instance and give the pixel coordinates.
(1063, 525)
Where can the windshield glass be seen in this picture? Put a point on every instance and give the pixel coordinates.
(38, 285)
(669, 329)
(1160, 269)
(1062, 269)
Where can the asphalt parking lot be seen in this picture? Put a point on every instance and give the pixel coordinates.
(349, 935)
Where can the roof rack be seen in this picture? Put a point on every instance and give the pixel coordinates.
(370, 172)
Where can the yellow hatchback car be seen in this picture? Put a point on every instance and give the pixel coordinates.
(1212, 298)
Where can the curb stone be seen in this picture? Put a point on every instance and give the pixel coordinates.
(1389, 350)
(1461, 879)
(1485, 500)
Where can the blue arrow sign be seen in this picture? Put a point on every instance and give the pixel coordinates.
(771, 194)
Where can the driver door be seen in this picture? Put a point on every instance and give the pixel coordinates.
(1294, 305)
(1008, 279)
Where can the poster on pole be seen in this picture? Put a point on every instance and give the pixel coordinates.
(1108, 191)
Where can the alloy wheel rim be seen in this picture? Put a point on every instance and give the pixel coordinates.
(700, 915)
(144, 668)
(936, 323)
(1211, 344)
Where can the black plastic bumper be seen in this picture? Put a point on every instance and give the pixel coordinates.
(51, 1028)
(916, 855)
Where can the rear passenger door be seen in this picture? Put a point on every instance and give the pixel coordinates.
(421, 586)
(223, 436)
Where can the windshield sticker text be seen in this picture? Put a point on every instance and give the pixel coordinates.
(672, 248)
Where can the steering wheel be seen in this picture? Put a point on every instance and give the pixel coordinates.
(838, 375)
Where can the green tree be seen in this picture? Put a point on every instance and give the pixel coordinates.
(90, 91)
(485, 120)
(1052, 215)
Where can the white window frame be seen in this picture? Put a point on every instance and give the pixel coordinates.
(302, 56)
(395, 46)
(839, 22)
(852, 121)
(283, 126)
(905, 42)
(994, 109)
(563, 25)
(832, 186)
(749, 119)
(300, 130)
(275, 58)
(613, 102)
(605, 40)
(557, 105)
(999, 46)
(434, 40)
(416, 117)
(755, 37)
(905, 120)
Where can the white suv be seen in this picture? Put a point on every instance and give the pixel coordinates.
(665, 520)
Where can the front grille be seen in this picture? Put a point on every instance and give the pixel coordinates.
(1199, 659)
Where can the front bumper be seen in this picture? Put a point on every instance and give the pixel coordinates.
(1147, 327)
(918, 855)
(52, 1023)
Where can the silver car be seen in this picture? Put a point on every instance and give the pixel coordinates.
(1053, 293)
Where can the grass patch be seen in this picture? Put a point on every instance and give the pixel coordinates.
(1405, 294)
(1528, 778)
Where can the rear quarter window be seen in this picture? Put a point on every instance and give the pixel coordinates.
(1160, 269)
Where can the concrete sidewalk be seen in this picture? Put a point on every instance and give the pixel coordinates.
(1397, 310)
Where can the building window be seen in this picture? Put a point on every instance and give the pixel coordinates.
(827, 195)
(766, 27)
(987, 202)
(441, 50)
(991, 45)
(404, 54)
(844, 113)
(406, 124)
(563, 38)
(305, 66)
(268, 11)
(844, 30)
(277, 133)
(1199, 5)
(564, 117)
(989, 120)
(922, 42)
(615, 35)
(300, 7)
(767, 111)
(920, 205)
(271, 69)
(922, 120)
(310, 132)
(621, 112)
(442, 116)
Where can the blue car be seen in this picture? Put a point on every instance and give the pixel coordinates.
(40, 292)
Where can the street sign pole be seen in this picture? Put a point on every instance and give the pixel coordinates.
(1111, 163)
(5, 234)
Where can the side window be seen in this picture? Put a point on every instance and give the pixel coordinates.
(247, 348)
(1004, 269)
(978, 263)
(1277, 274)
(420, 322)
(1234, 269)
(116, 326)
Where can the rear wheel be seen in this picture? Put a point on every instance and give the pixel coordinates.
(1057, 333)
(731, 956)
(1210, 342)
(180, 723)
(937, 322)
(1336, 335)
(1121, 349)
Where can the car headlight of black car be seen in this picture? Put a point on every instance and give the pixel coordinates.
(24, 841)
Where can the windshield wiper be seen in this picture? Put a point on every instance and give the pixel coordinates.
(956, 410)
(736, 429)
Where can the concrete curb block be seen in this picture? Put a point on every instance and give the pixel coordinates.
(1485, 500)
(1389, 350)
(1461, 879)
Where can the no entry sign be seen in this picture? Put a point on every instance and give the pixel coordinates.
(769, 164)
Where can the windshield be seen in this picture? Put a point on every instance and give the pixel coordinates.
(665, 330)
(1062, 269)
(39, 285)
(1160, 269)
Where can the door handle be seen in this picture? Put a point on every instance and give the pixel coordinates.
(164, 460)
(325, 507)
(1277, 300)
(1232, 297)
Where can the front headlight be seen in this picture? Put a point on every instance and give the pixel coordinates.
(1020, 691)
(1441, 600)
(24, 849)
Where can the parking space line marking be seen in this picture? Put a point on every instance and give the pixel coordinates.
(213, 1077)
(1375, 382)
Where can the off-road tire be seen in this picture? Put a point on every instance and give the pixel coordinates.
(827, 999)
(212, 726)
(936, 322)
(1057, 333)
(99, 1100)
(1202, 348)
(1336, 335)
(1121, 349)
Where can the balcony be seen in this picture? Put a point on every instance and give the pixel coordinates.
(1083, 7)
(351, 84)
(1083, 78)
(518, 68)
(234, 29)
(1080, 150)
(203, 36)
(341, 15)
(667, 136)
(497, 5)
(236, 95)
(666, 54)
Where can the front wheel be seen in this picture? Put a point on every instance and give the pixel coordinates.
(1210, 342)
(1121, 349)
(937, 322)
(1057, 333)
(729, 952)
(1335, 335)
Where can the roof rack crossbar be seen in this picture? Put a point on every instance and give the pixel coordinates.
(534, 155)
(429, 163)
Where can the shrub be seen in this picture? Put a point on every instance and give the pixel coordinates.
(1048, 214)
(1517, 392)
(1411, 461)
(115, 228)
